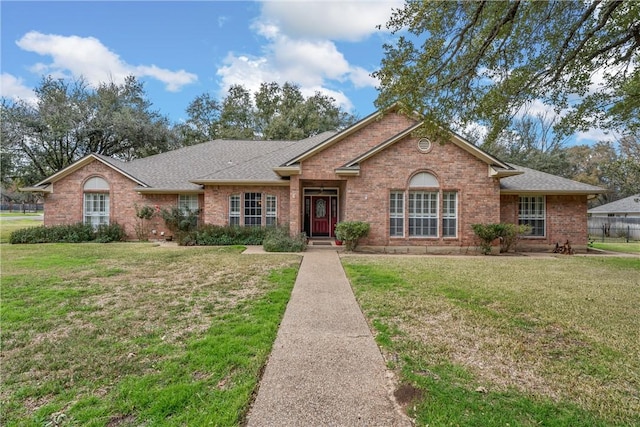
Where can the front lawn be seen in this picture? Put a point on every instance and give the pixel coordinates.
(497, 341)
(631, 247)
(136, 334)
(8, 226)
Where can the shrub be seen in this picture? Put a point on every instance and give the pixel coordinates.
(511, 234)
(506, 232)
(181, 223)
(279, 240)
(143, 215)
(73, 233)
(487, 233)
(110, 233)
(350, 233)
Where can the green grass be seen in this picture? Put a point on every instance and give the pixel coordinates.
(631, 247)
(7, 226)
(136, 334)
(19, 213)
(518, 341)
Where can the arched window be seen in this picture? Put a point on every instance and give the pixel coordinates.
(96, 201)
(422, 180)
(430, 212)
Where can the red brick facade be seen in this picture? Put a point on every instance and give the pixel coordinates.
(65, 204)
(365, 197)
(565, 219)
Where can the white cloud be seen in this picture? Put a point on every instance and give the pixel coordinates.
(13, 87)
(300, 46)
(87, 57)
(594, 135)
(362, 78)
(335, 20)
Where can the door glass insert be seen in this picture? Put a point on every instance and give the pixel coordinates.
(321, 208)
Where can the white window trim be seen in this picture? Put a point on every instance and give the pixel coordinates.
(428, 215)
(535, 216)
(271, 210)
(235, 213)
(259, 208)
(99, 217)
(398, 214)
(447, 215)
(186, 201)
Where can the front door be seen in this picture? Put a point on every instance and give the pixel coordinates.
(320, 216)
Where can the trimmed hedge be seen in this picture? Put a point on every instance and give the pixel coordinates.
(73, 233)
(274, 239)
(215, 235)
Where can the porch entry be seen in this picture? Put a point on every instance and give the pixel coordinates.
(320, 211)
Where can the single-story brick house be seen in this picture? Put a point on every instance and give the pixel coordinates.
(415, 194)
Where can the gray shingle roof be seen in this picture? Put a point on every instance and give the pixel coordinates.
(629, 204)
(215, 160)
(535, 181)
(186, 168)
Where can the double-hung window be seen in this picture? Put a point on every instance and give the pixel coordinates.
(396, 214)
(449, 214)
(253, 209)
(271, 211)
(531, 211)
(188, 203)
(234, 209)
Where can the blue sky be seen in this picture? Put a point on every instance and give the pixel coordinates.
(183, 49)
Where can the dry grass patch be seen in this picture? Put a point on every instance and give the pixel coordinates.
(105, 333)
(563, 330)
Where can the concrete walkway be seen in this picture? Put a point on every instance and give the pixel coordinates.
(325, 368)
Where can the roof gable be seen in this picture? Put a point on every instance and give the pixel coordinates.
(341, 135)
(114, 164)
(350, 167)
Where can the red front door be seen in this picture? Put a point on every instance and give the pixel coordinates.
(320, 216)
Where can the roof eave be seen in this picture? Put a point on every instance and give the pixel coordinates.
(37, 189)
(243, 182)
(348, 171)
(155, 190)
(478, 153)
(498, 172)
(511, 191)
(288, 170)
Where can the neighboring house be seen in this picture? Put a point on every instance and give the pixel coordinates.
(616, 219)
(626, 208)
(415, 194)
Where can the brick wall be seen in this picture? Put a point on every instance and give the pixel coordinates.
(366, 197)
(65, 204)
(216, 205)
(566, 219)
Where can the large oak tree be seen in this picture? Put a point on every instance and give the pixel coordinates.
(461, 62)
(71, 119)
